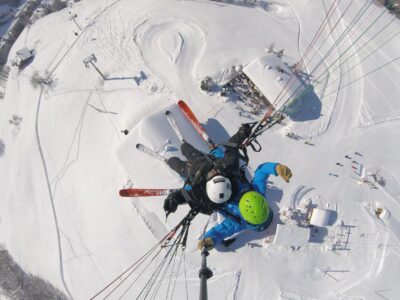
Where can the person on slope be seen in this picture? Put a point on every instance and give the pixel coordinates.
(211, 178)
(249, 210)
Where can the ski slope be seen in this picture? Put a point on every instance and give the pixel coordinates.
(65, 157)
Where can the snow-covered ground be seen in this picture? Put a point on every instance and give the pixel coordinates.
(65, 158)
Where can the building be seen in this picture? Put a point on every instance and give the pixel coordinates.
(274, 80)
(23, 57)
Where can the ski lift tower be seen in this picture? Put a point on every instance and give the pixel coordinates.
(91, 60)
(73, 18)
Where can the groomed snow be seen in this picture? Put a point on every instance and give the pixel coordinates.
(65, 157)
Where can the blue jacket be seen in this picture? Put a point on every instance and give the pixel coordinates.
(231, 225)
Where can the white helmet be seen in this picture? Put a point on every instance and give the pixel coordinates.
(219, 189)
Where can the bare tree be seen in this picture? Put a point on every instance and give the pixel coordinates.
(16, 284)
(2, 147)
(42, 80)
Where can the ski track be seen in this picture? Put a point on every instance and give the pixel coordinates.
(60, 252)
(48, 182)
(178, 61)
(174, 65)
(77, 136)
(356, 95)
(84, 29)
(298, 41)
(57, 179)
(311, 129)
(340, 105)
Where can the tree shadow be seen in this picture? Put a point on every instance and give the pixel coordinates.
(2, 148)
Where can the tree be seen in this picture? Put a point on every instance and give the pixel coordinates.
(2, 147)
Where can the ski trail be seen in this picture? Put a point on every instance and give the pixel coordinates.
(68, 162)
(172, 49)
(79, 36)
(61, 265)
(48, 182)
(320, 126)
(298, 29)
(347, 100)
(285, 93)
(57, 179)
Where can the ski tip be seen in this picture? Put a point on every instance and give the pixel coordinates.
(167, 112)
(122, 193)
(138, 145)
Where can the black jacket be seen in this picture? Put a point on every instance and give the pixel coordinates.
(197, 170)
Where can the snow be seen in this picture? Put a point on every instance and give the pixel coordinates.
(65, 157)
(274, 79)
(292, 236)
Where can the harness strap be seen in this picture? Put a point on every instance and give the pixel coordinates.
(231, 215)
(230, 144)
(187, 196)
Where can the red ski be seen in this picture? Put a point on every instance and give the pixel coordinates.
(132, 192)
(196, 124)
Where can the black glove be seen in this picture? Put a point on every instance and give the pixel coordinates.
(245, 130)
(170, 205)
(172, 201)
(242, 134)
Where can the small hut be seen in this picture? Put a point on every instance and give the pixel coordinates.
(23, 57)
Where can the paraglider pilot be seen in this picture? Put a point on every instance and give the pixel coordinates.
(249, 210)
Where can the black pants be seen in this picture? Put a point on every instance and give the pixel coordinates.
(183, 167)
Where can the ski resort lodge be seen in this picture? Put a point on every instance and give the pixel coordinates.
(268, 80)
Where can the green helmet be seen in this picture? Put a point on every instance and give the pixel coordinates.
(254, 208)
